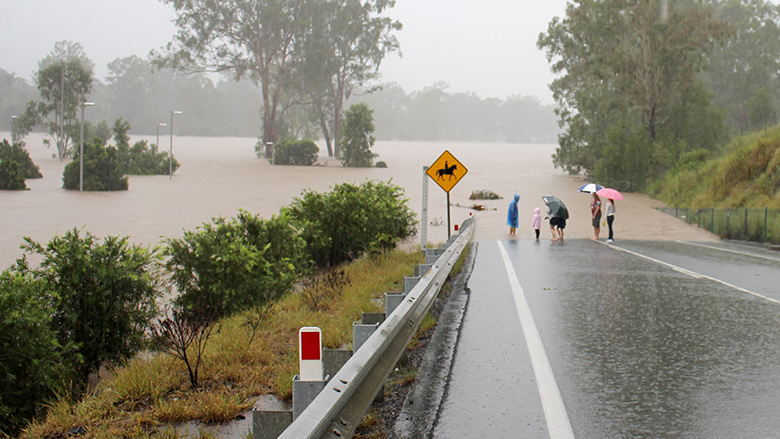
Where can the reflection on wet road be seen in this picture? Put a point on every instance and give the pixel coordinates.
(638, 347)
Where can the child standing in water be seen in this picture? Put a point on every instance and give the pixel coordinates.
(512, 215)
(537, 222)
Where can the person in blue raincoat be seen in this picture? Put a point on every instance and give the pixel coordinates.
(512, 215)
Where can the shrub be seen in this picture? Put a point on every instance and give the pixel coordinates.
(356, 137)
(16, 152)
(296, 152)
(16, 166)
(105, 296)
(484, 194)
(341, 225)
(11, 176)
(234, 264)
(30, 362)
(103, 169)
(140, 159)
(381, 164)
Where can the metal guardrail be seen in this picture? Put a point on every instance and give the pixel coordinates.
(336, 412)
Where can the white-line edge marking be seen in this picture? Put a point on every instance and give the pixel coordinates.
(768, 258)
(693, 273)
(555, 413)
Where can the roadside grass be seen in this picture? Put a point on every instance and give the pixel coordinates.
(152, 392)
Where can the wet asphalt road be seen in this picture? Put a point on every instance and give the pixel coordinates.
(631, 340)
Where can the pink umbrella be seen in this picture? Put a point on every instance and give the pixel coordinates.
(609, 193)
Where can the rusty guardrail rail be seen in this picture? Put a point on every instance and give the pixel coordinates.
(337, 410)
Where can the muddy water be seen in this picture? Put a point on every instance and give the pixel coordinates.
(219, 176)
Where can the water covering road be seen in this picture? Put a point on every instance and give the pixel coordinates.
(642, 339)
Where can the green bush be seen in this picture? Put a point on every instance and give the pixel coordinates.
(16, 166)
(296, 153)
(356, 137)
(103, 169)
(234, 264)
(140, 159)
(30, 361)
(484, 194)
(104, 297)
(11, 176)
(340, 225)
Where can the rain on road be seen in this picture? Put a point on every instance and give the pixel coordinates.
(646, 339)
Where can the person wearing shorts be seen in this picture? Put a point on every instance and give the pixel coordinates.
(595, 212)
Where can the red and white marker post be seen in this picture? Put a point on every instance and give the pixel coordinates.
(310, 353)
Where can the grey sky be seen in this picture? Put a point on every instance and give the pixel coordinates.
(487, 46)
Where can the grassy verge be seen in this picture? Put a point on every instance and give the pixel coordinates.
(152, 392)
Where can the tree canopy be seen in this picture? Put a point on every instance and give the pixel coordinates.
(629, 96)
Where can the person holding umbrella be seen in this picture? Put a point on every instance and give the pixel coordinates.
(595, 213)
(558, 214)
(611, 195)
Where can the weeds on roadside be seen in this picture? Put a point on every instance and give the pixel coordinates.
(321, 290)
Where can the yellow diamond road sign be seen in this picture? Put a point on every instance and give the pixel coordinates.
(446, 171)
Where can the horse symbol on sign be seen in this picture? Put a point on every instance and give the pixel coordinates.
(446, 170)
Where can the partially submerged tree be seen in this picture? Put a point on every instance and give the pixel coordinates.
(64, 79)
(357, 137)
(347, 42)
(252, 39)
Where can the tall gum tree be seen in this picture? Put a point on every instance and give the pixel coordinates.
(254, 39)
(347, 42)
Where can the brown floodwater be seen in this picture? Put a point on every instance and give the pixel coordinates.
(219, 176)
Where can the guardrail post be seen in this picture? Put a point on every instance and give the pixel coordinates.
(392, 300)
(304, 393)
(270, 424)
(409, 283)
(333, 359)
(421, 269)
(361, 333)
(432, 254)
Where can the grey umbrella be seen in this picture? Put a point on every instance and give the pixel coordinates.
(556, 206)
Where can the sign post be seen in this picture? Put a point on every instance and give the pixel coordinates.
(424, 217)
(447, 171)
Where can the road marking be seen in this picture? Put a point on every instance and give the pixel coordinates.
(769, 258)
(693, 273)
(554, 410)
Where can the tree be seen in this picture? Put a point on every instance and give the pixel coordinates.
(253, 39)
(742, 73)
(103, 169)
(16, 166)
(357, 139)
(31, 366)
(347, 42)
(625, 64)
(104, 296)
(64, 79)
(234, 264)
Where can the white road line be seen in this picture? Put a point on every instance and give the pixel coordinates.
(693, 273)
(554, 410)
(769, 258)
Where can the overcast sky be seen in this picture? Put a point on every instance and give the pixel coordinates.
(486, 46)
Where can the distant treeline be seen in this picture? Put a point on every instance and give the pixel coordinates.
(134, 91)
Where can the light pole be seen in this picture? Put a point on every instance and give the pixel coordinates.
(157, 145)
(170, 151)
(13, 133)
(81, 150)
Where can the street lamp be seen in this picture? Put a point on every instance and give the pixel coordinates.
(13, 123)
(157, 145)
(170, 152)
(81, 150)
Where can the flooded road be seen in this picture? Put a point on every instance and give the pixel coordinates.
(672, 340)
